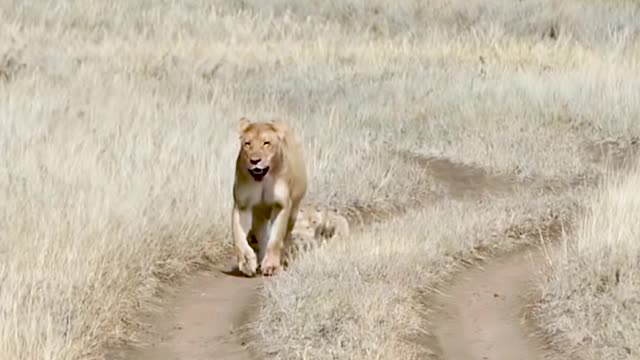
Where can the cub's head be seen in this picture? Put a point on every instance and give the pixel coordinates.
(261, 146)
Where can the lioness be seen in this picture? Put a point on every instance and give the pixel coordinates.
(270, 182)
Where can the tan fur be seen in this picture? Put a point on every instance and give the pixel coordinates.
(314, 227)
(332, 224)
(259, 199)
(324, 223)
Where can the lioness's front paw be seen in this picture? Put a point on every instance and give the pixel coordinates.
(248, 264)
(270, 265)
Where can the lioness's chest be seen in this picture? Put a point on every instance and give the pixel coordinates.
(264, 193)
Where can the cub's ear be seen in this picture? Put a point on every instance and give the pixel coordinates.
(243, 125)
(281, 128)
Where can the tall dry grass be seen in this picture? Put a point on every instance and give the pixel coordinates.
(116, 122)
(367, 297)
(590, 297)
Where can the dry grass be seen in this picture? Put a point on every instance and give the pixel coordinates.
(357, 299)
(590, 297)
(116, 142)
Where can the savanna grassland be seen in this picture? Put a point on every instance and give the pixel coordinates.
(117, 145)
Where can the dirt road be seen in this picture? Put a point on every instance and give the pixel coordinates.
(482, 307)
(481, 315)
(205, 320)
(482, 312)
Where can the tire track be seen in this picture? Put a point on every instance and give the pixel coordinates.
(204, 319)
(207, 318)
(482, 312)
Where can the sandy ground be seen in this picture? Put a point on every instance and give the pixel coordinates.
(482, 312)
(204, 320)
(480, 317)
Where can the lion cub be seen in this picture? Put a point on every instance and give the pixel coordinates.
(270, 182)
(324, 223)
(314, 227)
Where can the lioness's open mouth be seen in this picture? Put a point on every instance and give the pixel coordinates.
(258, 173)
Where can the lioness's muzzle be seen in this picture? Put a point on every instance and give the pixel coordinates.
(258, 173)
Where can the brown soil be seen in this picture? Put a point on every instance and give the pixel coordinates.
(481, 313)
(204, 320)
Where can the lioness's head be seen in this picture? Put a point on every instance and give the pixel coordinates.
(260, 146)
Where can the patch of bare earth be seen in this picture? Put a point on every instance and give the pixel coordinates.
(203, 319)
(209, 315)
(485, 311)
(481, 312)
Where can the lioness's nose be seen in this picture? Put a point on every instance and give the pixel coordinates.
(254, 161)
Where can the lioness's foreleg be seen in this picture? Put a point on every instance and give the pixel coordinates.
(247, 262)
(271, 263)
(261, 220)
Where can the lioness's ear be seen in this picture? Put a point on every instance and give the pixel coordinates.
(243, 124)
(281, 128)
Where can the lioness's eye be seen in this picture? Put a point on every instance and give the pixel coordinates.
(247, 144)
(267, 143)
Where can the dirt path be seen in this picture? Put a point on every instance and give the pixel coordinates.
(480, 317)
(482, 312)
(205, 319)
